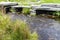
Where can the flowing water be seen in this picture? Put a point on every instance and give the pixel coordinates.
(47, 29)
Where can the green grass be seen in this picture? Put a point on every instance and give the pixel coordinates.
(15, 30)
(50, 1)
(26, 11)
(43, 1)
(57, 14)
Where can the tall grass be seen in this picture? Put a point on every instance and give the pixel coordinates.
(17, 30)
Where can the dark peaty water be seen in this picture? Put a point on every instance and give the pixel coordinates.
(47, 29)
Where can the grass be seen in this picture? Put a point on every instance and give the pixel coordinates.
(15, 30)
(26, 11)
(26, 2)
(56, 14)
(50, 1)
(42, 1)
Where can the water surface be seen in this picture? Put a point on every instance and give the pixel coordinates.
(47, 29)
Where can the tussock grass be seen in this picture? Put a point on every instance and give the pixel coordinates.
(17, 30)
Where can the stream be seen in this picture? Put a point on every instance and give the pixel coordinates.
(46, 28)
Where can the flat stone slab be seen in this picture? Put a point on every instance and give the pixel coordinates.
(21, 6)
(8, 3)
(55, 5)
(51, 7)
(48, 8)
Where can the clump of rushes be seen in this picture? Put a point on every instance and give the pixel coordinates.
(56, 14)
(26, 11)
(17, 30)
